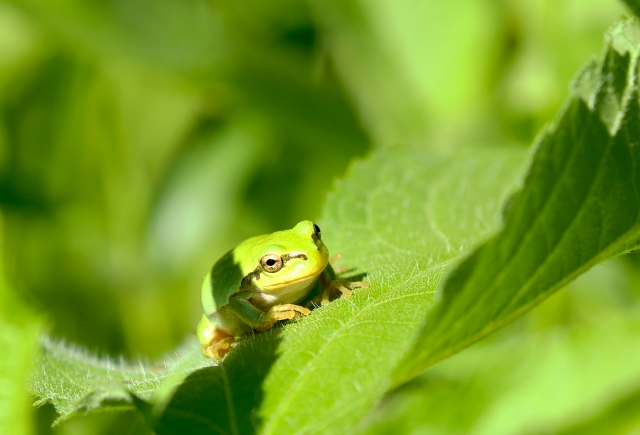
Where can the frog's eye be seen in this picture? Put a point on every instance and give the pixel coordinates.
(271, 263)
(317, 230)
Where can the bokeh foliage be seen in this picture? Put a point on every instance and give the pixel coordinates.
(139, 140)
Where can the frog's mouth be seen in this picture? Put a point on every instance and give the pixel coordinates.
(293, 282)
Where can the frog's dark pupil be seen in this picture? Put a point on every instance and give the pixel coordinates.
(316, 228)
(271, 262)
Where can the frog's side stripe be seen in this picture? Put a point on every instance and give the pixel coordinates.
(245, 284)
(287, 257)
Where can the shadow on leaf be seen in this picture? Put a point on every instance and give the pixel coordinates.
(222, 399)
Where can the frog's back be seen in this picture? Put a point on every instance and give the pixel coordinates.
(221, 282)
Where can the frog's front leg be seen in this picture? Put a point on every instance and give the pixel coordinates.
(258, 319)
(330, 282)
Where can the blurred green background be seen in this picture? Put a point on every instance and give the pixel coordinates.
(140, 140)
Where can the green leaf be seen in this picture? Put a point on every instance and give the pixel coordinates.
(76, 381)
(579, 206)
(403, 217)
(572, 363)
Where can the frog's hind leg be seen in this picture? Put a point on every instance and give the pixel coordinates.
(215, 342)
(338, 270)
(218, 349)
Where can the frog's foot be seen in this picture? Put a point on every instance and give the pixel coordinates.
(344, 287)
(281, 312)
(340, 270)
(219, 349)
(219, 345)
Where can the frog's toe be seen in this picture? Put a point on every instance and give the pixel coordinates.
(355, 284)
(291, 307)
(335, 258)
(284, 315)
(217, 350)
(281, 312)
(340, 285)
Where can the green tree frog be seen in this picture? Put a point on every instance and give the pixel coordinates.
(259, 283)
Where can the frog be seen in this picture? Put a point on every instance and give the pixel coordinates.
(264, 280)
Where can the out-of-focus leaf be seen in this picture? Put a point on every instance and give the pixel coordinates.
(634, 5)
(579, 206)
(620, 418)
(406, 65)
(19, 329)
(179, 35)
(198, 199)
(77, 186)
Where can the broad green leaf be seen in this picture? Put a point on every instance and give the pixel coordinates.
(570, 363)
(76, 381)
(579, 206)
(402, 217)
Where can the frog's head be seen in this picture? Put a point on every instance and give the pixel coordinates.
(287, 258)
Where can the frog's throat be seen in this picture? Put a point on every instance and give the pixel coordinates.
(246, 284)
